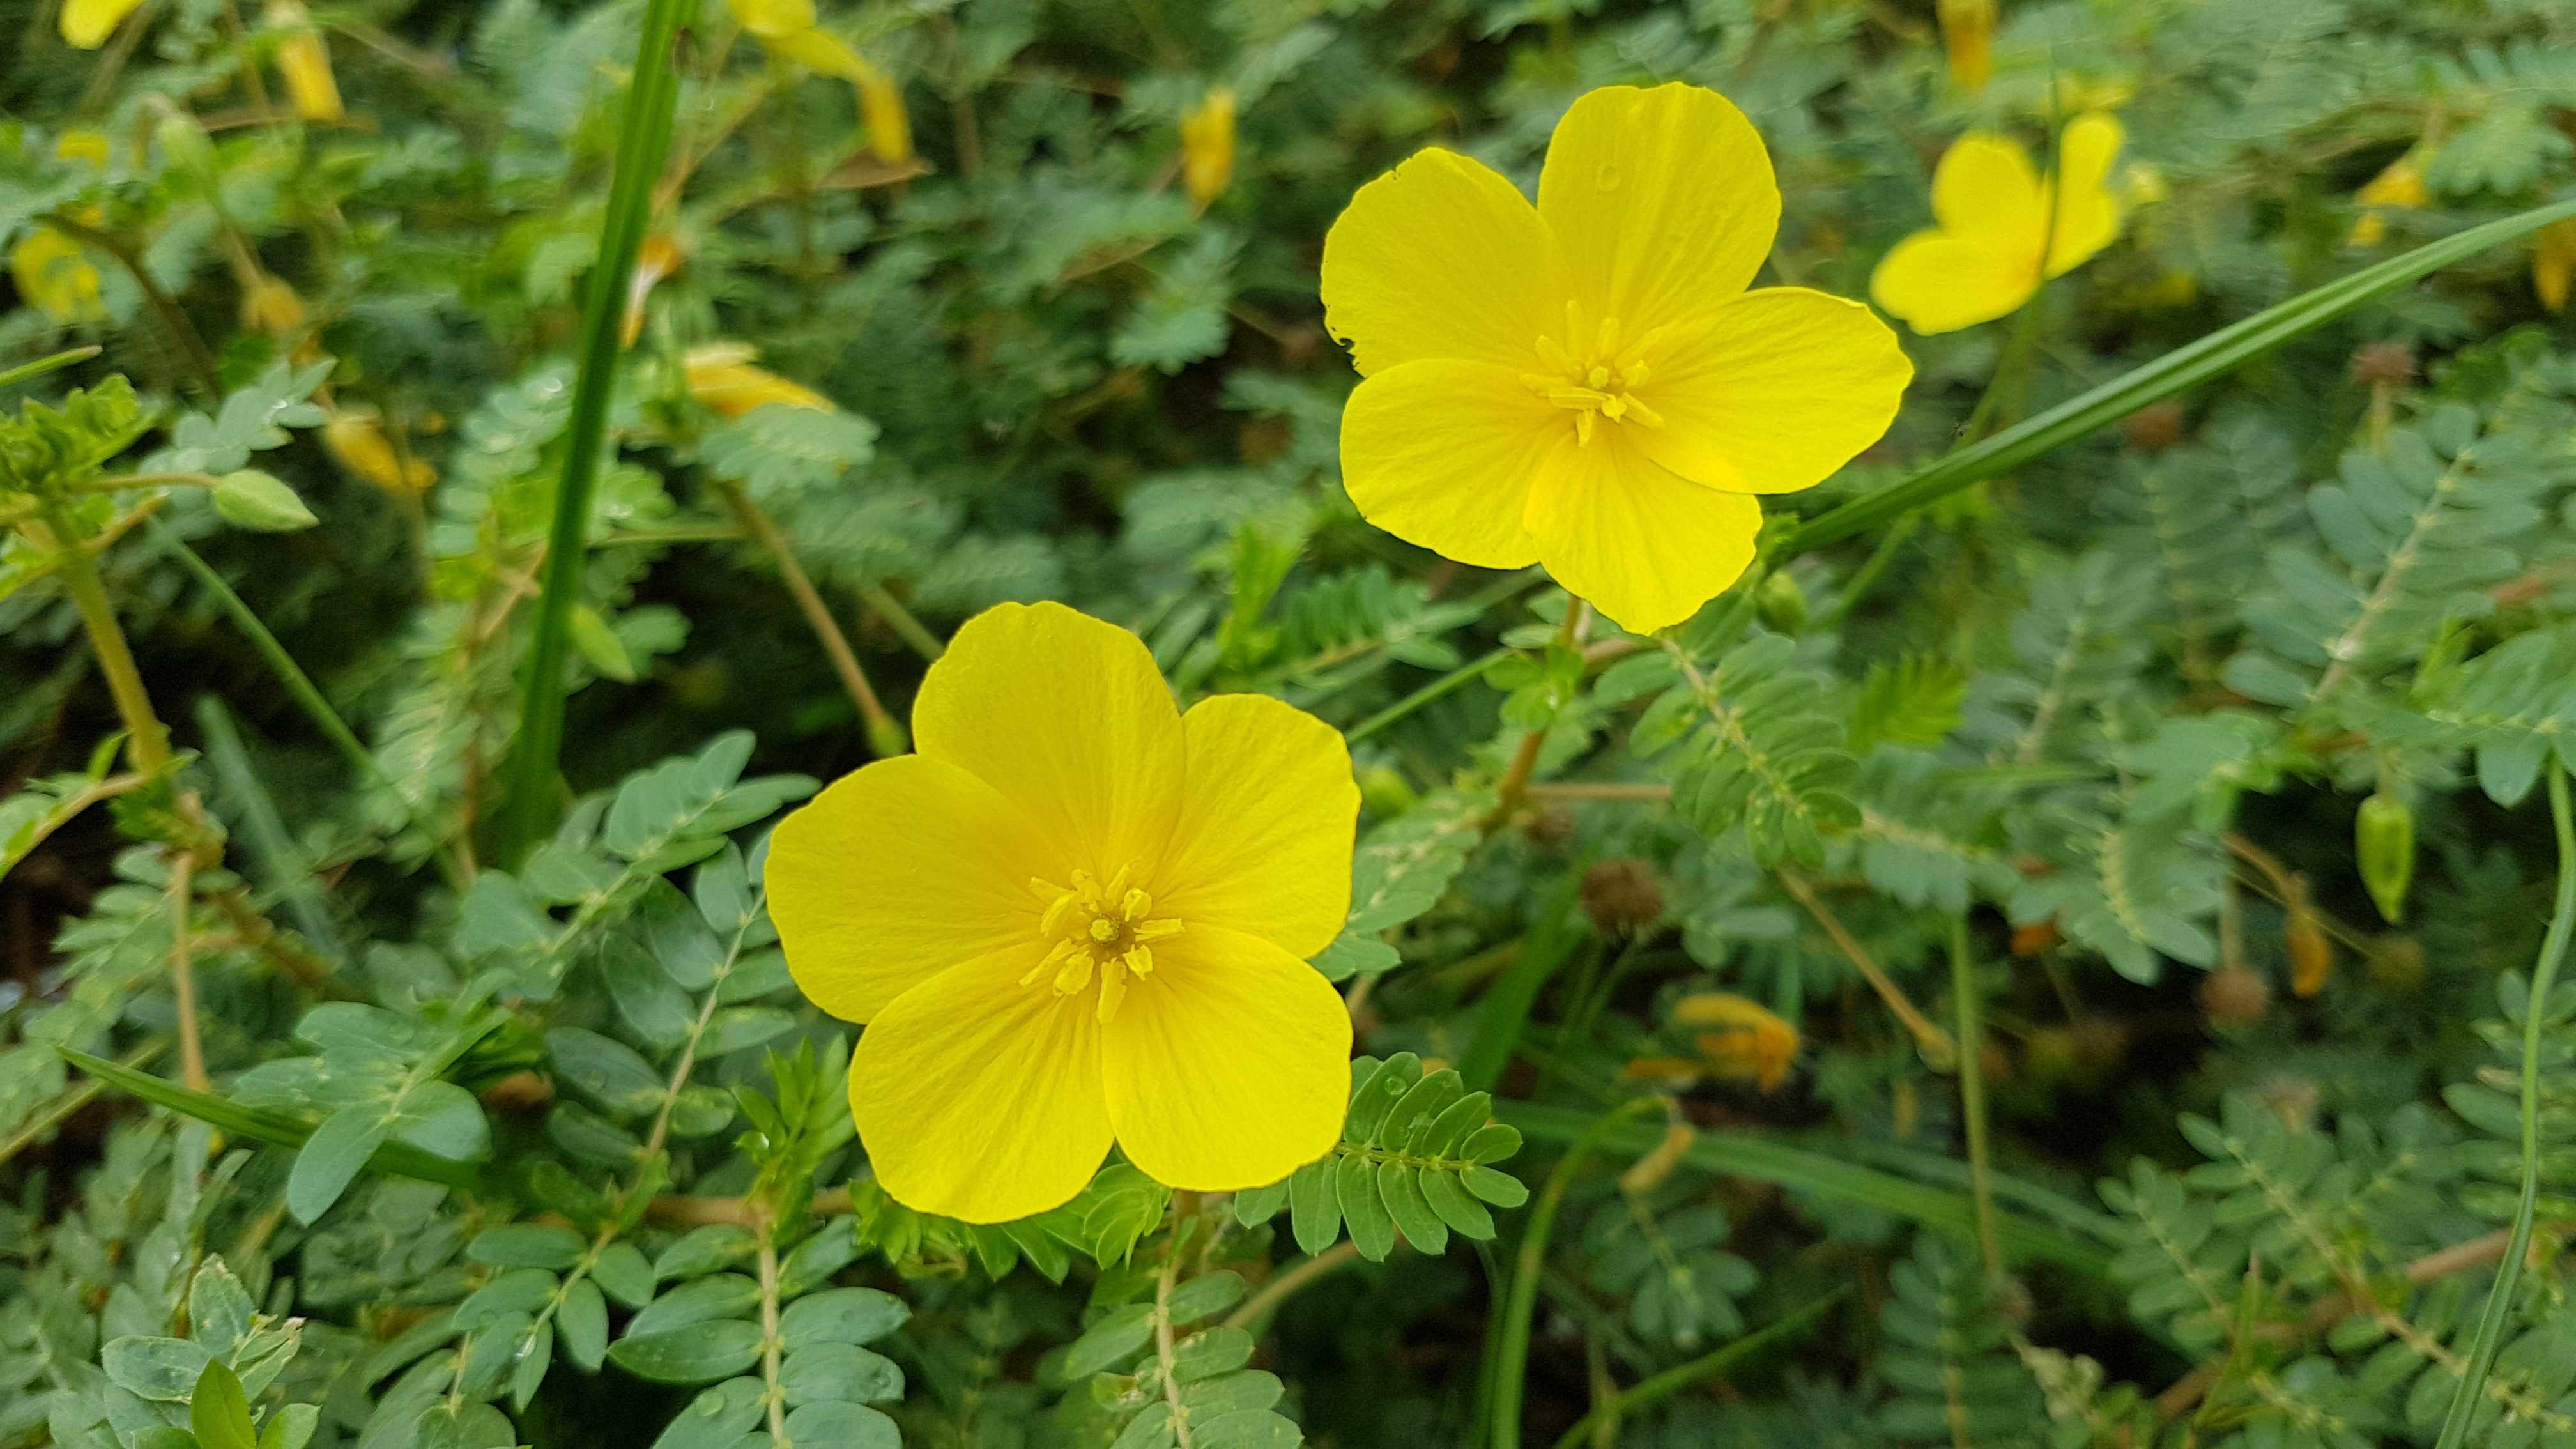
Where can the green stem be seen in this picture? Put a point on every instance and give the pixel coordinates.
(1437, 688)
(644, 136)
(898, 618)
(1708, 1365)
(52, 362)
(264, 829)
(1511, 1358)
(2544, 976)
(2181, 369)
(147, 739)
(1968, 1001)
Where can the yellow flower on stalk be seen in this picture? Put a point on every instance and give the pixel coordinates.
(1968, 34)
(720, 375)
(356, 442)
(1078, 916)
(55, 277)
(2398, 188)
(1587, 384)
(86, 24)
(1746, 1040)
(2553, 263)
(788, 28)
(305, 62)
(2002, 228)
(1207, 147)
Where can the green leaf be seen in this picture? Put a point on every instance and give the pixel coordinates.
(336, 1153)
(219, 1412)
(695, 1354)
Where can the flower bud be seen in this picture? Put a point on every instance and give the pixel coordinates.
(185, 143)
(1968, 34)
(2154, 428)
(721, 376)
(1385, 793)
(2311, 954)
(2384, 850)
(1749, 1042)
(259, 501)
(86, 24)
(2553, 263)
(356, 443)
(1782, 604)
(1207, 147)
(2234, 997)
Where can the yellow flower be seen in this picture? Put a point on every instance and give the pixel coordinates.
(1968, 33)
(1748, 1042)
(720, 375)
(2399, 188)
(787, 28)
(1078, 915)
(269, 305)
(1207, 147)
(355, 441)
(86, 24)
(1586, 384)
(305, 62)
(2553, 262)
(53, 276)
(89, 147)
(2003, 229)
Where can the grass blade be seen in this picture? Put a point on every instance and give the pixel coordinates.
(2177, 371)
(644, 136)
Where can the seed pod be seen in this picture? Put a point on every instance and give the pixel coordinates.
(2154, 428)
(2384, 850)
(2235, 998)
(1621, 895)
(2311, 954)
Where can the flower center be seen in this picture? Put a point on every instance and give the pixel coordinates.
(1591, 373)
(1094, 929)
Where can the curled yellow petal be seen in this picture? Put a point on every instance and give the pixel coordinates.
(1968, 34)
(1207, 147)
(356, 442)
(771, 19)
(2400, 187)
(880, 99)
(2553, 262)
(305, 62)
(1744, 1039)
(269, 305)
(720, 375)
(90, 147)
(659, 257)
(86, 24)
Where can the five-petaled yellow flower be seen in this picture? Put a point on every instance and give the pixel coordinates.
(1586, 383)
(1078, 915)
(2003, 229)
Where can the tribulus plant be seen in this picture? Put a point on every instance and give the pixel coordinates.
(1016, 726)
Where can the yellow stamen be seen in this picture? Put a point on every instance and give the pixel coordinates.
(1589, 374)
(1095, 928)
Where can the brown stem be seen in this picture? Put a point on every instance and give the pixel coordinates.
(259, 934)
(1936, 1045)
(885, 736)
(1570, 793)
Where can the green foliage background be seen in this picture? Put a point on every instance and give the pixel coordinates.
(543, 1148)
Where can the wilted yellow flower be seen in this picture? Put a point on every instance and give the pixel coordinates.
(1078, 915)
(2399, 188)
(2553, 262)
(269, 305)
(1968, 34)
(305, 62)
(86, 24)
(1995, 241)
(1587, 384)
(1207, 147)
(787, 28)
(1746, 1040)
(720, 375)
(358, 444)
(657, 258)
(90, 147)
(54, 276)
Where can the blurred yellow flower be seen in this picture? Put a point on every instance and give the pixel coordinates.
(1207, 147)
(269, 305)
(788, 28)
(2003, 229)
(54, 277)
(1078, 915)
(357, 443)
(1586, 383)
(90, 147)
(1968, 34)
(1746, 1040)
(2553, 263)
(305, 62)
(2399, 188)
(720, 375)
(86, 24)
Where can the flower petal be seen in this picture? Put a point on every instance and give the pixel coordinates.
(1776, 390)
(902, 869)
(978, 1099)
(1937, 282)
(1229, 1066)
(1267, 819)
(1069, 719)
(1985, 185)
(1441, 452)
(1662, 200)
(2088, 216)
(1441, 257)
(1645, 546)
